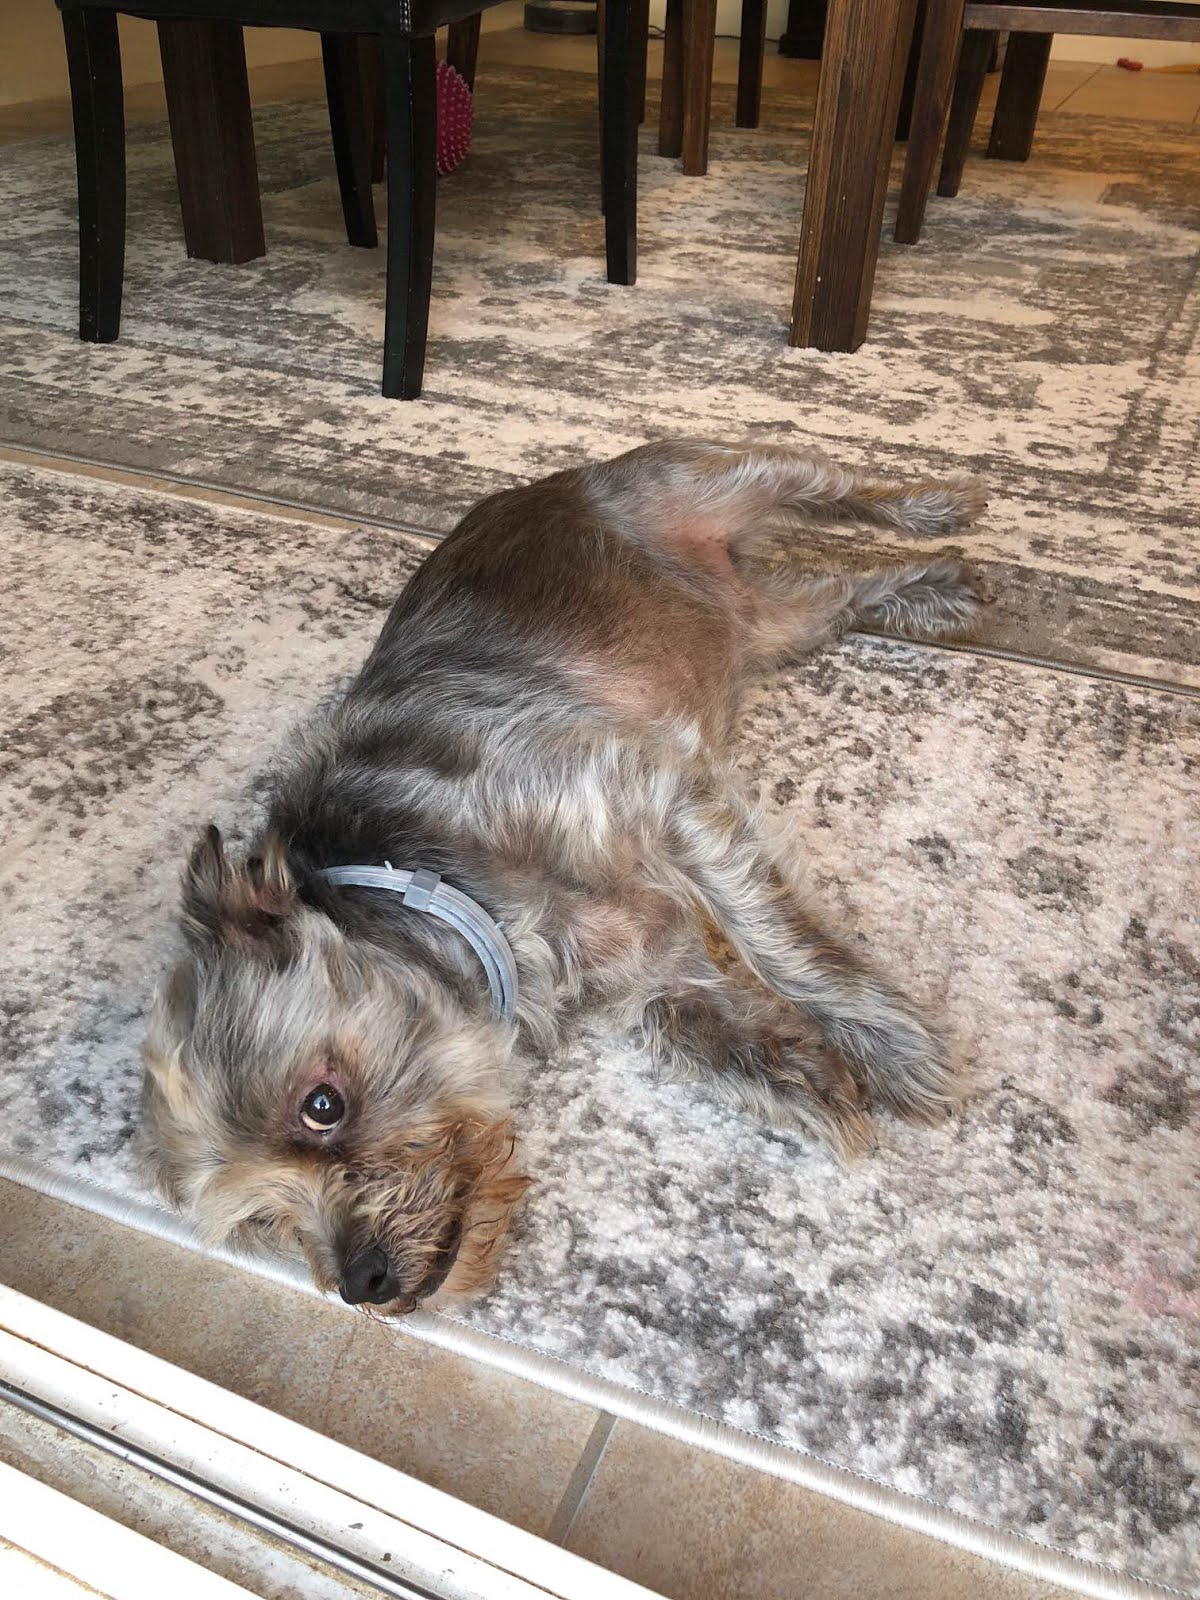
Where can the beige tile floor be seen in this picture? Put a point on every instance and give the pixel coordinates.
(688, 1523)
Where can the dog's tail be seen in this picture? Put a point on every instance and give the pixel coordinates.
(935, 600)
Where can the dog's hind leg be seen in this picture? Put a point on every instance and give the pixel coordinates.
(817, 489)
(807, 483)
(740, 486)
(797, 613)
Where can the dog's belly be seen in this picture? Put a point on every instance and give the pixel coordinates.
(670, 653)
(703, 543)
(679, 700)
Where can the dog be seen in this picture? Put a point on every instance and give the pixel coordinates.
(523, 809)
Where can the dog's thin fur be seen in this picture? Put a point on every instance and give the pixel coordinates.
(544, 721)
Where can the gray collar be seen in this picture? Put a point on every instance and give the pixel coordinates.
(424, 891)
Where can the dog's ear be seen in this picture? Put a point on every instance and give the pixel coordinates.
(246, 906)
(205, 879)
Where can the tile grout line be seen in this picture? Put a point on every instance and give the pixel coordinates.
(1061, 105)
(201, 493)
(580, 1481)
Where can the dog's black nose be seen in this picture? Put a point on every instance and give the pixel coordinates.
(367, 1278)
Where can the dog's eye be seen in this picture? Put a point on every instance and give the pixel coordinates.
(323, 1109)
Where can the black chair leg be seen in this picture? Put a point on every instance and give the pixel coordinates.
(968, 86)
(619, 127)
(346, 94)
(750, 62)
(462, 47)
(410, 67)
(98, 108)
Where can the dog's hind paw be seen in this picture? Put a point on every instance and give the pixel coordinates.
(936, 600)
(942, 507)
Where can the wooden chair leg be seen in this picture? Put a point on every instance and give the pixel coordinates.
(973, 59)
(750, 63)
(940, 43)
(1020, 97)
(212, 132)
(670, 112)
(699, 40)
(862, 71)
(346, 96)
(98, 109)
(462, 47)
(618, 138)
(410, 76)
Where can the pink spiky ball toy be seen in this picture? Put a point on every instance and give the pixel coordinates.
(455, 117)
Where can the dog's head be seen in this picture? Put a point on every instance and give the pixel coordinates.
(306, 1088)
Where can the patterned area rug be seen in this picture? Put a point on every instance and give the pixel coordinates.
(995, 1322)
(1044, 333)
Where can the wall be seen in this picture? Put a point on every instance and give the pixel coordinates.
(33, 66)
(33, 63)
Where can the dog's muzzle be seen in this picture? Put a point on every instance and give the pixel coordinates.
(368, 1278)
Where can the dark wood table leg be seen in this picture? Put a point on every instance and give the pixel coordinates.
(751, 49)
(618, 135)
(1020, 97)
(346, 94)
(670, 113)
(208, 101)
(462, 46)
(98, 109)
(805, 30)
(862, 70)
(909, 86)
(973, 58)
(410, 76)
(699, 40)
(931, 101)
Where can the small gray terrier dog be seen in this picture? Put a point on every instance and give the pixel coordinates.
(523, 807)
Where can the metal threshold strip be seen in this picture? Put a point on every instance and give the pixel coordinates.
(238, 1506)
(368, 1525)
